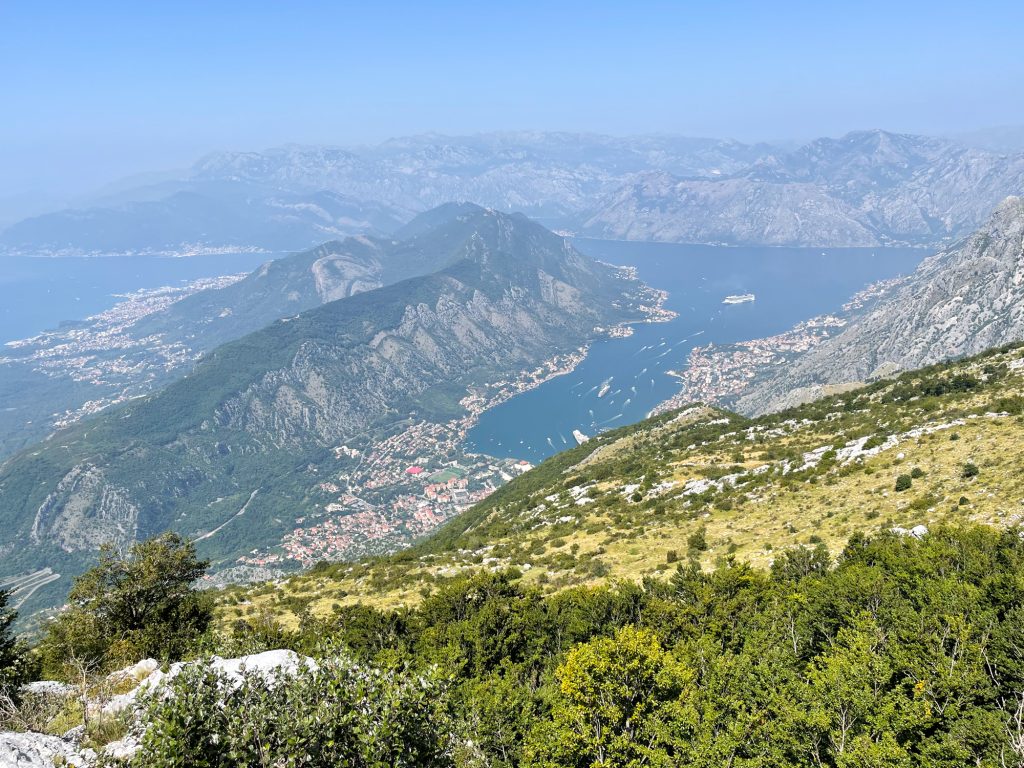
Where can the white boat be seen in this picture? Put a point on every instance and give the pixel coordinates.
(739, 298)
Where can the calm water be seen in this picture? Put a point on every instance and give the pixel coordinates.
(791, 284)
(38, 294)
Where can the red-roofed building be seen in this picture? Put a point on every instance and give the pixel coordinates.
(414, 471)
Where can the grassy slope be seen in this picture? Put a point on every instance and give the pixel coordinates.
(535, 525)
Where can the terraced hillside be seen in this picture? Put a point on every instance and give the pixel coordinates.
(937, 445)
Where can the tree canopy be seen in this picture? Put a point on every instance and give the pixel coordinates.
(129, 606)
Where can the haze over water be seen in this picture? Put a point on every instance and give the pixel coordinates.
(791, 285)
(37, 294)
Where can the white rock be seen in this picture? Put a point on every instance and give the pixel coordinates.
(267, 664)
(139, 671)
(48, 688)
(917, 532)
(124, 749)
(37, 750)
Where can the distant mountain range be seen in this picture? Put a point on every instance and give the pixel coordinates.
(866, 188)
(265, 425)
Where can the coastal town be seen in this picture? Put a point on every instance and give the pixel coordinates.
(407, 484)
(721, 373)
(102, 352)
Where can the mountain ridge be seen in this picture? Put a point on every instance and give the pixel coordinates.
(865, 188)
(263, 425)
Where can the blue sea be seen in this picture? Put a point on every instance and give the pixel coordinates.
(37, 294)
(790, 285)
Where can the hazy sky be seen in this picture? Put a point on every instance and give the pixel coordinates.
(92, 91)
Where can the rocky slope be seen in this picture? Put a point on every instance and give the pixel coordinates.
(960, 301)
(252, 430)
(866, 188)
(707, 484)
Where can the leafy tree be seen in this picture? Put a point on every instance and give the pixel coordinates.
(618, 703)
(497, 712)
(903, 483)
(13, 653)
(795, 564)
(855, 715)
(142, 604)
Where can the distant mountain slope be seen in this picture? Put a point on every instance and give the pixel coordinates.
(291, 197)
(155, 336)
(263, 421)
(960, 301)
(707, 485)
(866, 188)
(189, 216)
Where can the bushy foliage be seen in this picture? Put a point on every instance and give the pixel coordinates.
(335, 712)
(14, 660)
(619, 702)
(902, 652)
(142, 604)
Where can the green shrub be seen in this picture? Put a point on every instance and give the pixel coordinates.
(331, 714)
(697, 541)
(903, 483)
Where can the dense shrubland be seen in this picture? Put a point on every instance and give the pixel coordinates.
(903, 652)
(900, 652)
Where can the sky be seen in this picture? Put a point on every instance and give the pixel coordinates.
(92, 92)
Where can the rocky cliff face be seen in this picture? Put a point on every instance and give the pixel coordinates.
(960, 301)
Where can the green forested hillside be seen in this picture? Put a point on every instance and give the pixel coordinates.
(265, 426)
(897, 652)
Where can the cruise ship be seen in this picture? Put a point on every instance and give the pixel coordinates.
(739, 298)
